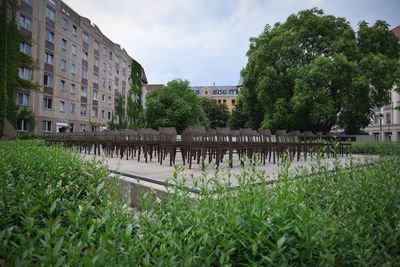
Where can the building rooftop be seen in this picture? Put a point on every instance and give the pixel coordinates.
(396, 31)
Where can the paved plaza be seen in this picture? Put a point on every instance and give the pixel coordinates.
(153, 171)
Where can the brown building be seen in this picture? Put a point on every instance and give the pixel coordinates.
(79, 70)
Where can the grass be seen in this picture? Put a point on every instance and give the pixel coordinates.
(56, 210)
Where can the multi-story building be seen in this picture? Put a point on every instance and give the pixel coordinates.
(80, 72)
(385, 125)
(223, 94)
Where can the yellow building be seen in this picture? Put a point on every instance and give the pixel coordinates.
(223, 94)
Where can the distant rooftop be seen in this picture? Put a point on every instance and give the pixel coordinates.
(396, 31)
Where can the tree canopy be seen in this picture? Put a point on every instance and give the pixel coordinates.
(314, 71)
(174, 105)
(216, 113)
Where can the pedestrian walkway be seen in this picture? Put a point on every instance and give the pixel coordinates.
(153, 171)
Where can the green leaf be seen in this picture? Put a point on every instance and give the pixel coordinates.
(53, 206)
(281, 241)
(99, 187)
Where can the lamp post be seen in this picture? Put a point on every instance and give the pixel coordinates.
(380, 126)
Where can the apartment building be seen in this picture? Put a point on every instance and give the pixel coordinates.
(223, 94)
(385, 125)
(80, 72)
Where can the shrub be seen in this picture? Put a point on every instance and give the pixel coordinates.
(57, 210)
(371, 148)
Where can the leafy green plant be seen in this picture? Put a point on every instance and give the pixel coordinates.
(57, 210)
(371, 148)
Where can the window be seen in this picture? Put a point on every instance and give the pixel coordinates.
(109, 115)
(104, 83)
(95, 78)
(65, 24)
(25, 48)
(83, 127)
(25, 22)
(109, 100)
(22, 125)
(96, 61)
(232, 92)
(74, 49)
(109, 69)
(50, 14)
(48, 80)
(94, 112)
(49, 36)
(219, 92)
(110, 55)
(224, 92)
(84, 72)
(74, 30)
(83, 91)
(96, 45)
(85, 37)
(28, 2)
(48, 58)
(73, 68)
(109, 85)
(95, 95)
(64, 44)
(25, 73)
(388, 118)
(103, 114)
(103, 98)
(376, 119)
(104, 68)
(83, 109)
(72, 108)
(233, 102)
(47, 103)
(63, 64)
(85, 55)
(72, 88)
(46, 126)
(62, 86)
(105, 51)
(62, 106)
(23, 99)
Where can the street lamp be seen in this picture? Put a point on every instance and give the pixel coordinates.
(380, 126)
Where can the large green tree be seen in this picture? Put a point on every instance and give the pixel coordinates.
(174, 105)
(216, 113)
(313, 72)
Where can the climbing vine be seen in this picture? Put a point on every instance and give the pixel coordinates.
(134, 108)
(29, 116)
(11, 59)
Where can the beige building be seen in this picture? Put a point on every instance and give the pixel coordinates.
(385, 124)
(79, 70)
(223, 94)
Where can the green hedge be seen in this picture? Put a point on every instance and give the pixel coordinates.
(350, 217)
(371, 148)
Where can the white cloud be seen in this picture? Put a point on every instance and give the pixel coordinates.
(204, 41)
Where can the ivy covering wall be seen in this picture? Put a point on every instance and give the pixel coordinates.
(11, 59)
(134, 107)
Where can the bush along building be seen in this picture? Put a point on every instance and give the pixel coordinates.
(385, 124)
(81, 76)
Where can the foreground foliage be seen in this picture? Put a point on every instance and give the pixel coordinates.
(58, 211)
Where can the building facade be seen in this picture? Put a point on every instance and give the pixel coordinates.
(385, 125)
(222, 94)
(79, 71)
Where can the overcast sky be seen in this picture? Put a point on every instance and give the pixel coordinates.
(205, 41)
